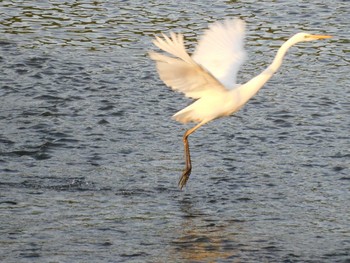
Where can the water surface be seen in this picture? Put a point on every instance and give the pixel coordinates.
(89, 157)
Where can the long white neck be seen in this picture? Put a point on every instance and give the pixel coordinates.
(250, 88)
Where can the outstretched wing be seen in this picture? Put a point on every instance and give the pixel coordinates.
(221, 50)
(181, 72)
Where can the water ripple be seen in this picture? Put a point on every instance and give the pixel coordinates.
(89, 157)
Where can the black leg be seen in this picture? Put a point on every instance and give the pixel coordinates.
(187, 171)
(188, 167)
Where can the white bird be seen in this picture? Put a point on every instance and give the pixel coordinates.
(209, 75)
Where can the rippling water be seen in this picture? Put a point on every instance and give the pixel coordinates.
(89, 157)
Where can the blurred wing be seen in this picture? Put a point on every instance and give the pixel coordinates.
(181, 72)
(221, 50)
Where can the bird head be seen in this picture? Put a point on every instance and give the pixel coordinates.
(301, 37)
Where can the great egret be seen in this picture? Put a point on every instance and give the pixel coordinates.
(209, 75)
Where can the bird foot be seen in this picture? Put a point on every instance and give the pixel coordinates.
(185, 175)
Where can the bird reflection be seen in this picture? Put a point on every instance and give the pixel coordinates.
(203, 237)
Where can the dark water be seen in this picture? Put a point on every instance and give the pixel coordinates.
(89, 157)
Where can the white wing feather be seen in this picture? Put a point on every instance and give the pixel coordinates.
(221, 50)
(182, 73)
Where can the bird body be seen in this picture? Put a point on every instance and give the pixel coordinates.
(213, 105)
(209, 75)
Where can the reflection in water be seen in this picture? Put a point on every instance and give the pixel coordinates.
(204, 237)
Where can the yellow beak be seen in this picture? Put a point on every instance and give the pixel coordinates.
(320, 36)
